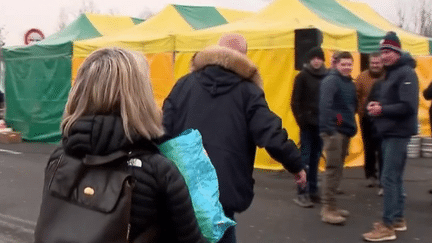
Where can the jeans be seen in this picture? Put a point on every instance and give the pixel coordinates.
(336, 148)
(311, 145)
(230, 233)
(394, 160)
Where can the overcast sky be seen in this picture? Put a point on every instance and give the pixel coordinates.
(18, 16)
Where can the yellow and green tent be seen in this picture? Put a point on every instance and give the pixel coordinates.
(270, 35)
(368, 22)
(155, 38)
(415, 44)
(38, 77)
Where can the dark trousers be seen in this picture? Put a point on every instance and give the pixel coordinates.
(372, 149)
(311, 146)
(230, 234)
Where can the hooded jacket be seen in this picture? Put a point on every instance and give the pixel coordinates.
(224, 100)
(338, 101)
(398, 94)
(160, 197)
(305, 96)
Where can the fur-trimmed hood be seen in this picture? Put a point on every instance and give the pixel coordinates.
(228, 59)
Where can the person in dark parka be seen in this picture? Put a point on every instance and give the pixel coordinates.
(304, 104)
(427, 94)
(223, 98)
(395, 111)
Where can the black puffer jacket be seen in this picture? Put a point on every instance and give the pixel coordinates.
(161, 199)
(305, 96)
(399, 98)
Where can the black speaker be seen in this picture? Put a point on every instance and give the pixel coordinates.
(305, 39)
(364, 61)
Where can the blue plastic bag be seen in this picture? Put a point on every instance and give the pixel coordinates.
(187, 152)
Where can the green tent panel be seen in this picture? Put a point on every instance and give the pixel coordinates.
(80, 29)
(369, 36)
(202, 17)
(35, 101)
(38, 80)
(430, 47)
(137, 20)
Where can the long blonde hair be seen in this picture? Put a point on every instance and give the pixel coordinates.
(114, 80)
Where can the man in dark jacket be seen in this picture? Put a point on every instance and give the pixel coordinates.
(304, 104)
(427, 94)
(224, 100)
(337, 107)
(395, 118)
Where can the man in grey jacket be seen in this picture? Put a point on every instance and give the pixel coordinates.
(337, 107)
(394, 107)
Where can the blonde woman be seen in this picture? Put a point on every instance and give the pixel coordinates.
(110, 108)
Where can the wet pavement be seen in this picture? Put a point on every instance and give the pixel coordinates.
(273, 217)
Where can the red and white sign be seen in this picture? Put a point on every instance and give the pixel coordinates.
(32, 36)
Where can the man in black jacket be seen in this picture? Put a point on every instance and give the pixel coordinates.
(223, 98)
(337, 107)
(427, 94)
(304, 104)
(395, 112)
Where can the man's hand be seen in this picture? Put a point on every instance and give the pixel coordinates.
(374, 108)
(300, 178)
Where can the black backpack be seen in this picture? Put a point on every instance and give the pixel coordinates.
(86, 200)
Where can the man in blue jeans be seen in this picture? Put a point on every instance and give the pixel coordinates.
(394, 107)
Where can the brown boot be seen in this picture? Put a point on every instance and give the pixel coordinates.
(380, 232)
(342, 212)
(331, 215)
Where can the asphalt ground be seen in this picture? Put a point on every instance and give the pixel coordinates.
(272, 217)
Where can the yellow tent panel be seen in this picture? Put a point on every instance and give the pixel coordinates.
(107, 25)
(270, 37)
(151, 36)
(233, 15)
(273, 28)
(155, 38)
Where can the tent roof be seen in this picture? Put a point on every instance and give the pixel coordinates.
(155, 34)
(415, 44)
(85, 26)
(89, 26)
(369, 36)
(233, 15)
(273, 27)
